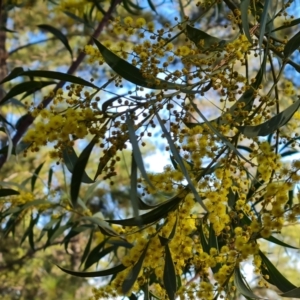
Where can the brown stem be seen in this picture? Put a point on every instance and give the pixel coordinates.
(28, 119)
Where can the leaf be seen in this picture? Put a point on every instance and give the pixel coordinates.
(70, 158)
(109, 102)
(241, 286)
(169, 276)
(275, 277)
(35, 175)
(95, 257)
(289, 24)
(87, 247)
(152, 6)
(134, 272)
(133, 74)
(48, 74)
(278, 242)
(180, 162)
(203, 239)
(50, 174)
(133, 188)
(136, 150)
(144, 206)
(103, 226)
(271, 125)
(210, 42)
(292, 45)
(58, 34)
(289, 153)
(154, 215)
(8, 192)
(295, 293)
(78, 171)
(244, 15)
(29, 87)
(13, 74)
(263, 21)
(106, 272)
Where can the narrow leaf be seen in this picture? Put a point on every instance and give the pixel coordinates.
(133, 74)
(271, 125)
(95, 257)
(70, 158)
(136, 150)
(241, 286)
(292, 45)
(169, 276)
(107, 272)
(103, 226)
(278, 242)
(244, 15)
(58, 34)
(133, 188)
(263, 21)
(29, 87)
(180, 162)
(134, 272)
(295, 293)
(13, 74)
(50, 174)
(87, 248)
(35, 175)
(275, 277)
(8, 192)
(79, 171)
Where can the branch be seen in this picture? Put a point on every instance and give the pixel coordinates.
(28, 119)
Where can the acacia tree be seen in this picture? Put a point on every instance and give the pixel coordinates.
(226, 110)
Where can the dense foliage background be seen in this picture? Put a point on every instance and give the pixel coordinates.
(149, 149)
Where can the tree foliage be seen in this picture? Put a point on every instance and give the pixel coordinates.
(214, 85)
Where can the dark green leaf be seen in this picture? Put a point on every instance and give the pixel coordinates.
(241, 286)
(87, 247)
(8, 192)
(13, 74)
(292, 45)
(244, 15)
(78, 171)
(30, 87)
(263, 21)
(95, 257)
(154, 215)
(144, 206)
(134, 272)
(271, 125)
(35, 175)
(152, 6)
(109, 102)
(7, 30)
(70, 158)
(48, 74)
(289, 24)
(107, 272)
(295, 293)
(275, 277)
(180, 162)
(278, 242)
(103, 226)
(136, 149)
(50, 173)
(133, 74)
(289, 153)
(133, 188)
(169, 276)
(210, 42)
(203, 239)
(58, 34)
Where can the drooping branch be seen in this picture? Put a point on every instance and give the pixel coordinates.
(28, 119)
